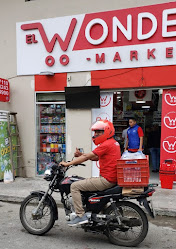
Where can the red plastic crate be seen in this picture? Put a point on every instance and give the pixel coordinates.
(133, 172)
(168, 167)
(166, 180)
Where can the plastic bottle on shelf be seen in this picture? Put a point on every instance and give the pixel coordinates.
(63, 148)
(52, 147)
(56, 149)
(48, 148)
(44, 147)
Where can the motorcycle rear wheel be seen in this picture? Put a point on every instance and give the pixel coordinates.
(40, 223)
(135, 229)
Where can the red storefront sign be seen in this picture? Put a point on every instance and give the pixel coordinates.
(4, 90)
(168, 132)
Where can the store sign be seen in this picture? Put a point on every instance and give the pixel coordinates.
(104, 112)
(168, 132)
(170, 100)
(128, 38)
(170, 120)
(4, 90)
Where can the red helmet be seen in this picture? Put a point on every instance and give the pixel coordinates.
(103, 125)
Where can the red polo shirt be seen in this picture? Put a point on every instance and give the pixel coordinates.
(108, 153)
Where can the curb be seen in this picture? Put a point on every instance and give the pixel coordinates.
(18, 200)
(165, 212)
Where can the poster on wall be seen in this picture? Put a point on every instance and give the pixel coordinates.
(5, 162)
(104, 112)
(168, 132)
(4, 90)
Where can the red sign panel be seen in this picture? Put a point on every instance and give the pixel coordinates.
(168, 132)
(4, 90)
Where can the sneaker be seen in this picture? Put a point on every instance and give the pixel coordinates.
(78, 221)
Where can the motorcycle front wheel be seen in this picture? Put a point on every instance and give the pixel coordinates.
(36, 223)
(134, 227)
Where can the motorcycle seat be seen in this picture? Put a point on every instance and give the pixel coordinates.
(114, 190)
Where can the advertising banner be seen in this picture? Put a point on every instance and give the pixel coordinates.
(104, 112)
(125, 38)
(4, 90)
(5, 162)
(168, 132)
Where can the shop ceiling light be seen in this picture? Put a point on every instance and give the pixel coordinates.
(118, 97)
(46, 73)
(160, 91)
(140, 101)
(118, 92)
(146, 106)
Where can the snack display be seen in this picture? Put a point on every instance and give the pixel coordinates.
(51, 133)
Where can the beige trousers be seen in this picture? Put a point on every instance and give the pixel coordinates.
(89, 184)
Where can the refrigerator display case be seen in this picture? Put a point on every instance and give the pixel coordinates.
(51, 145)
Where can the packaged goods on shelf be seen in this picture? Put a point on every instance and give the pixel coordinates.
(49, 138)
(58, 109)
(62, 119)
(56, 119)
(45, 129)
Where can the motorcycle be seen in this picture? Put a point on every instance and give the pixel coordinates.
(109, 212)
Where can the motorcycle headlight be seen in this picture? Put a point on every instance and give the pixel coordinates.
(48, 175)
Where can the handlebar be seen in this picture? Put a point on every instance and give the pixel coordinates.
(56, 166)
(81, 164)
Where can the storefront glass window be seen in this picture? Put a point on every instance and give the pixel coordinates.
(51, 133)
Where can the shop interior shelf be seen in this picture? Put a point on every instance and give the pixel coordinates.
(53, 143)
(119, 125)
(124, 120)
(52, 123)
(45, 133)
(55, 113)
(50, 152)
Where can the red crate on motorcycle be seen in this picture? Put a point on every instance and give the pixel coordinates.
(167, 173)
(133, 172)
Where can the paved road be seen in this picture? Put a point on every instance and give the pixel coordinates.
(161, 235)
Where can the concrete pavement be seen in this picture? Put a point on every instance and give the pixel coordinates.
(164, 200)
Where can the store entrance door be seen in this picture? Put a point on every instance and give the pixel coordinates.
(145, 106)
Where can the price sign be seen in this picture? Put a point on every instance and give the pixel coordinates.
(4, 90)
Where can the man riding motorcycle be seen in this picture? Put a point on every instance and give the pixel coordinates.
(107, 153)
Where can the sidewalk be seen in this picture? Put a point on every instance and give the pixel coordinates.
(164, 200)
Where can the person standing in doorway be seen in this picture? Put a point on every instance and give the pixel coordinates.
(154, 147)
(124, 136)
(135, 137)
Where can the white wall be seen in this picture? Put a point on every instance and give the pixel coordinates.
(78, 125)
(22, 93)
